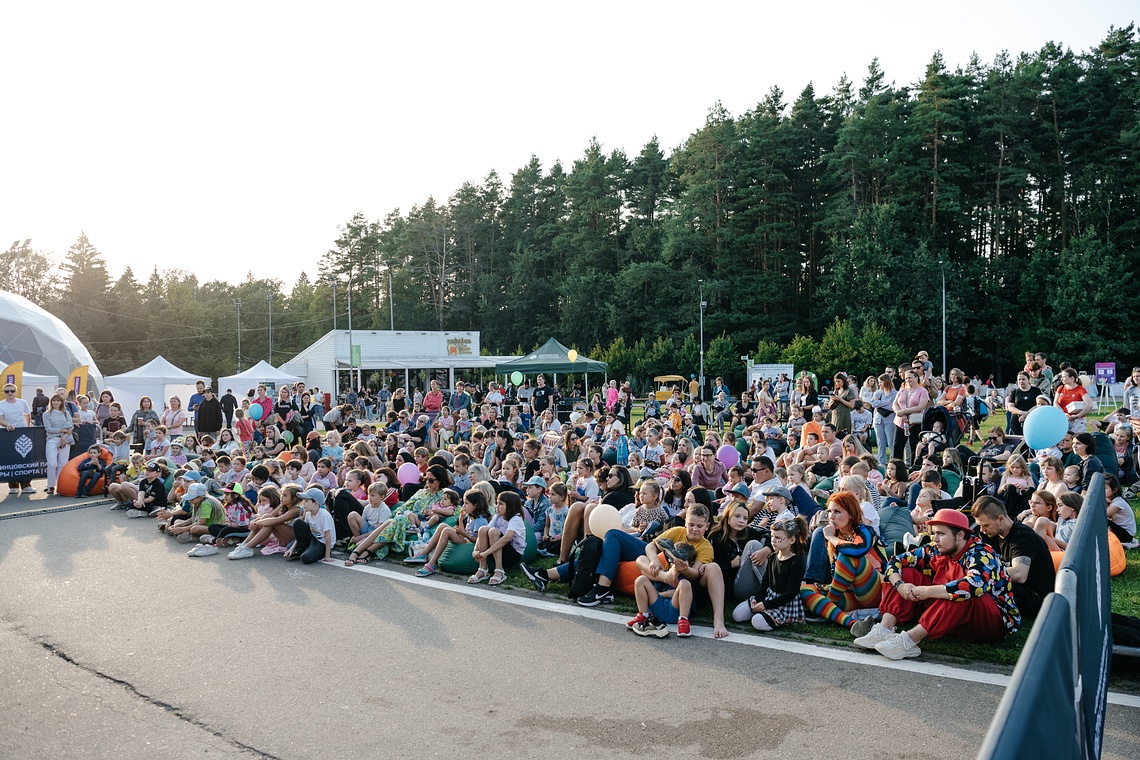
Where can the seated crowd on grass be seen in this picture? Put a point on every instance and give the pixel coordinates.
(787, 505)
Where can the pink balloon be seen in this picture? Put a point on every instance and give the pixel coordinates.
(408, 473)
(728, 456)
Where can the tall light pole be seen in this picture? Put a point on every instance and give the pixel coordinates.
(391, 307)
(350, 329)
(237, 305)
(703, 304)
(18, 252)
(332, 281)
(269, 300)
(943, 268)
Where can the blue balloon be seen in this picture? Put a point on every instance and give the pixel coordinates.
(1045, 426)
(255, 412)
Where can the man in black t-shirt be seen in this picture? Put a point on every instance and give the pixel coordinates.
(1024, 553)
(540, 400)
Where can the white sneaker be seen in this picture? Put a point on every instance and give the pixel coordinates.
(242, 552)
(899, 646)
(202, 550)
(136, 513)
(878, 633)
(28, 489)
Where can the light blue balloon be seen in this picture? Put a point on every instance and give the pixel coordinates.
(1045, 426)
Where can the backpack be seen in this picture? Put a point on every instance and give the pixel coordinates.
(983, 411)
(584, 559)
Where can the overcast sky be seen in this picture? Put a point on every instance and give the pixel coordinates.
(227, 137)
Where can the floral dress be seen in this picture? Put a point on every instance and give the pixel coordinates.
(395, 535)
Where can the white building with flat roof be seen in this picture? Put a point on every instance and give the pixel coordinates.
(400, 358)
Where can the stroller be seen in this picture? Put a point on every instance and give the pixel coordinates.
(952, 424)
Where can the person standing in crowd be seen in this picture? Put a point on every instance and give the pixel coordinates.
(15, 412)
(58, 425)
(39, 406)
(209, 414)
(229, 403)
(196, 401)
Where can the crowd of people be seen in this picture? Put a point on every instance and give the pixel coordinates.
(787, 505)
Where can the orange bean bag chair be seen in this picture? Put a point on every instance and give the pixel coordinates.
(284, 456)
(69, 476)
(1117, 560)
(627, 574)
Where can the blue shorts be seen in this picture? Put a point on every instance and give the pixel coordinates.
(664, 610)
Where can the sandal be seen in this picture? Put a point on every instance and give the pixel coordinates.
(365, 557)
(479, 576)
(497, 578)
(425, 571)
(352, 558)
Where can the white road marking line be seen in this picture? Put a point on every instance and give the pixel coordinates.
(778, 644)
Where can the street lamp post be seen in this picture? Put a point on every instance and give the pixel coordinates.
(703, 304)
(350, 331)
(943, 268)
(237, 305)
(391, 307)
(269, 300)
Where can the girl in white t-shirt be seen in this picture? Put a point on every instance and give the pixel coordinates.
(503, 540)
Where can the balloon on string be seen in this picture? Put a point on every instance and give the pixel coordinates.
(728, 456)
(516, 377)
(287, 437)
(572, 355)
(1045, 426)
(604, 518)
(255, 411)
(408, 473)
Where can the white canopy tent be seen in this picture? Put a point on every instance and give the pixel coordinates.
(31, 381)
(158, 379)
(261, 373)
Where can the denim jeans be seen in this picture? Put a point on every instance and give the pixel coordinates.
(817, 567)
(884, 438)
(618, 546)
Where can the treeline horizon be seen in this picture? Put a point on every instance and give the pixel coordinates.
(1017, 180)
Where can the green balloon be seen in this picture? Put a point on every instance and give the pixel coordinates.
(516, 377)
(287, 437)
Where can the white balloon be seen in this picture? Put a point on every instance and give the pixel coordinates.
(604, 518)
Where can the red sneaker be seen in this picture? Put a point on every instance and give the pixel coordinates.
(639, 619)
(683, 630)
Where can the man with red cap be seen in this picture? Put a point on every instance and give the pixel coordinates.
(955, 585)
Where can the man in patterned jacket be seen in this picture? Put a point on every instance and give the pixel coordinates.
(956, 586)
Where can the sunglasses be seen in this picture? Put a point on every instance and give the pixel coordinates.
(6, 390)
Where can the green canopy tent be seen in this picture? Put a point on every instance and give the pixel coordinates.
(551, 357)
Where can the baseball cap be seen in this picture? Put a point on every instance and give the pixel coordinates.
(536, 480)
(741, 489)
(154, 466)
(779, 491)
(314, 494)
(196, 490)
(951, 518)
(816, 410)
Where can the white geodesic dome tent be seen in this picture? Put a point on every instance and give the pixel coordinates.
(45, 345)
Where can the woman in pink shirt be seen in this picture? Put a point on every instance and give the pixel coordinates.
(709, 472)
(912, 399)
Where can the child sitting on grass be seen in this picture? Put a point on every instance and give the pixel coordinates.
(777, 603)
(476, 514)
(663, 596)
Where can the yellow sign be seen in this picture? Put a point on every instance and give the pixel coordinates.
(14, 374)
(458, 346)
(77, 381)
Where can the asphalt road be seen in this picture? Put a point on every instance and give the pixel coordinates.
(113, 643)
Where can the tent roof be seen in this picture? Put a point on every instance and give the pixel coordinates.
(552, 356)
(157, 368)
(259, 373)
